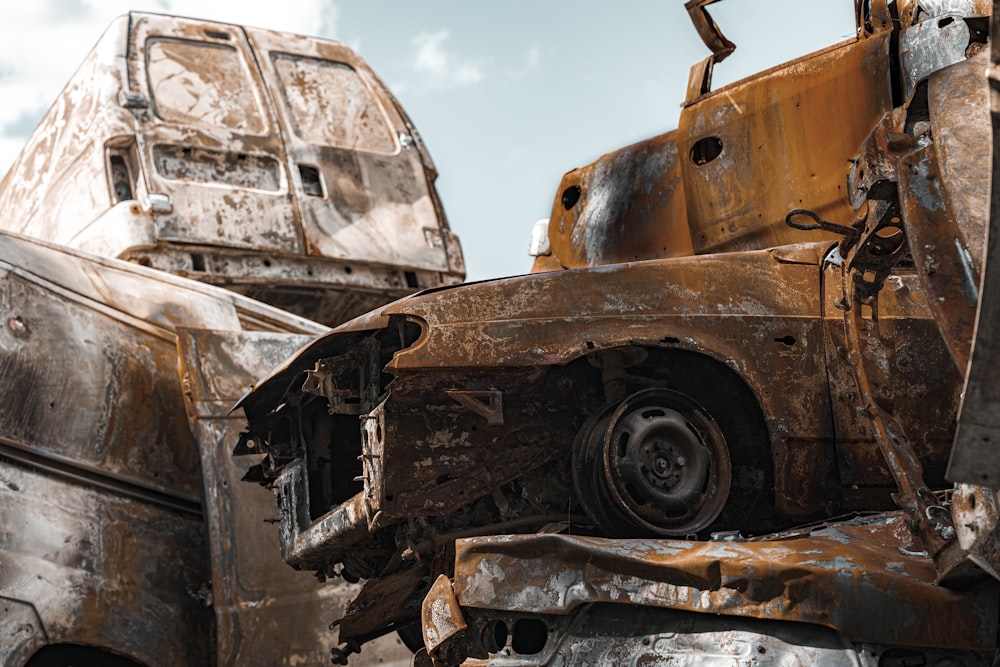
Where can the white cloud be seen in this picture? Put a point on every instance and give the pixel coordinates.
(438, 68)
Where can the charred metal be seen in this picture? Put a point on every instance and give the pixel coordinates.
(126, 538)
(762, 319)
(201, 149)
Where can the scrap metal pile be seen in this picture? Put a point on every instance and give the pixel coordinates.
(203, 150)
(722, 421)
(743, 410)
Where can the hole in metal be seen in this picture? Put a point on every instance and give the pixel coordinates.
(705, 150)
(495, 636)
(121, 179)
(570, 196)
(529, 636)
(312, 184)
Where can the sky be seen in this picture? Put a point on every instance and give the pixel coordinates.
(507, 95)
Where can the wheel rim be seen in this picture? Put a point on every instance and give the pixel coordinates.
(655, 463)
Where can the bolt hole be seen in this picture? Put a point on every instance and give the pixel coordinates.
(197, 262)
(411, 279)
(786, 340)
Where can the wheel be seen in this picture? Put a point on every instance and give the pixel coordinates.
(654, 464)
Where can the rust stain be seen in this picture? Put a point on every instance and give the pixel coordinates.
(757, 321)
(200, 148)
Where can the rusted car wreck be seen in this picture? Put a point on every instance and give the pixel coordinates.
(276, 165)
(125, 536)
(722, 421)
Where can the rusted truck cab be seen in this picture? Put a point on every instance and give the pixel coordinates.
(275, 165)
(733, 384)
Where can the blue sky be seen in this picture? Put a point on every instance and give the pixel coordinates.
(507, 95)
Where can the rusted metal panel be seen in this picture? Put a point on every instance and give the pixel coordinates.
(800, 364)
(920, 381)
(615, 634)
(779, 141)
(255, 597)
(958, 110)
(38, 194)
(441, 618)
(373, 199)
(102, 532)
(939, 252)
(930, 46)
(627, 206)
(512, 351)
(976, 513)
(716, 185)
(100, 568)
(868, 581)
(974, 458)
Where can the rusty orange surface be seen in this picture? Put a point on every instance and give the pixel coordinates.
(869, 581)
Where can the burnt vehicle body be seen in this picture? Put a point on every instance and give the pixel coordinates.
(125, 533)
(759, 321)
(276, 165)
(273, 164)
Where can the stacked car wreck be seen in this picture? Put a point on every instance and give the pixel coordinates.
(722, 420)
(273, 164)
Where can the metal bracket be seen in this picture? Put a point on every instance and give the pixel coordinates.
(487, 404)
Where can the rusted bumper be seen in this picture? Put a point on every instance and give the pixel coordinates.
(865, 579)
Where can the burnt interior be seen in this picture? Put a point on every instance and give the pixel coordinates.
(323, 411)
